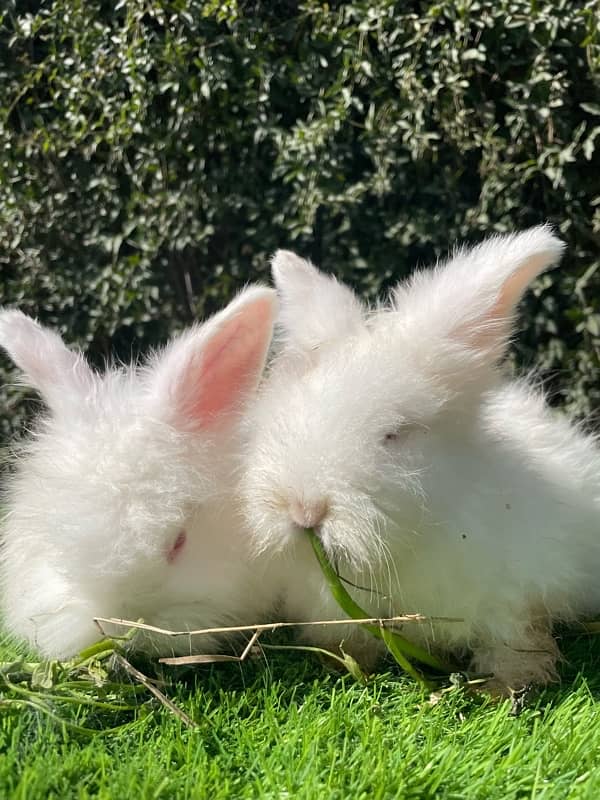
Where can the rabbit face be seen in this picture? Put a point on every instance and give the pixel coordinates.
(111, 469)
(341, 446)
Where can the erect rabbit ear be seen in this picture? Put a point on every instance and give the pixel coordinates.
(472, 299)
(206, 374)
(315, 307)
(48, 365)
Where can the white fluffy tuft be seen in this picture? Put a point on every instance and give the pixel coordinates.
(472, 297)
(315, 309)
(60, 375)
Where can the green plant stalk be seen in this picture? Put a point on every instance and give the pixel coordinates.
(79, 700)
(398, 646)
(349, 663)
(44, 685)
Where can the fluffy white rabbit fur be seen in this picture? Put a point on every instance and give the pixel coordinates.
(122, 501)
(436, 484)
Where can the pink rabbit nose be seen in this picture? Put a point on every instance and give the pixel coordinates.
(308, 513)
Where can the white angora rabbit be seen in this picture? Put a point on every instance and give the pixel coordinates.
(121, 502)
(437, 485)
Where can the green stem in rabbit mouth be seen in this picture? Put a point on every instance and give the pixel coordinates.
(401, 649)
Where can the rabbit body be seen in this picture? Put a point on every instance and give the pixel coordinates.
(122, 503)
(436, 485)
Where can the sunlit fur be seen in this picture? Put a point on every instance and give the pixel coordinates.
(114, 473)
(452, 491)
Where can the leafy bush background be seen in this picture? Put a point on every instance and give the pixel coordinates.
(154, 154)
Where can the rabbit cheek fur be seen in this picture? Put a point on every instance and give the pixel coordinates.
(80, 486)
(437, 486)
(122, 504)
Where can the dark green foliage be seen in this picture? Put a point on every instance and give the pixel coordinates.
(154, 154)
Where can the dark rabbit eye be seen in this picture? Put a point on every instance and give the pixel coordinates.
(401, 432)
(395, 434)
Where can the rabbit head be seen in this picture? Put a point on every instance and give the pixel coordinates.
(360, 406)
(121, 502)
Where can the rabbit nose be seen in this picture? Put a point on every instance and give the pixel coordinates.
(308, 513)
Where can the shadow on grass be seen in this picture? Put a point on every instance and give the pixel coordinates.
(580, 664)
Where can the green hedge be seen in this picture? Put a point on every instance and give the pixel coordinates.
(153, 154)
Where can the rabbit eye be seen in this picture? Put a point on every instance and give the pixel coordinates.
(395, 435)
(176, 547)
(400, 433)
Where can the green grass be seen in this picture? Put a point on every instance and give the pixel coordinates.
(286, 727)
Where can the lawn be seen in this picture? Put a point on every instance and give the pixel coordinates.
(288, 727)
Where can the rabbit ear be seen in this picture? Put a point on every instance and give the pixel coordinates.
(472, 299)
(47, 363)
(206, 373)
(315, 307)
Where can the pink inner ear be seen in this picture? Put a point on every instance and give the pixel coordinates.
(228, 366)
(515, 285)
(495, 324)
